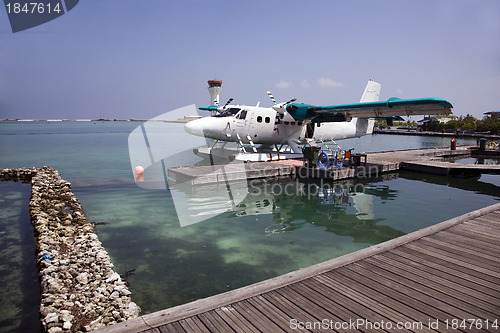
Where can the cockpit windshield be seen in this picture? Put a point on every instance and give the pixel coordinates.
(228, 112)
(242, 115)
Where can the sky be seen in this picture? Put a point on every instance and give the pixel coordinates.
(121, 59)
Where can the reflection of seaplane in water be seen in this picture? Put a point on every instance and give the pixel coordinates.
(281, 131)
(261, 198)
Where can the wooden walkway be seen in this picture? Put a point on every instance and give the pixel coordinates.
(445, 278)
(432, 161)
(429, 160)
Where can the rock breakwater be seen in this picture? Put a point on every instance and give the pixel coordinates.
(80, 291)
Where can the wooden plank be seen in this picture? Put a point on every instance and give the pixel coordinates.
(483, 226)
(341, 313)
(483, 233)
(194, 324)
(300, 307)
(153, 330)
(333, 299)
(461, 248)
(310, 288)
(472, 236)
(231, 321)
(431, 306)
(488, 300)
(214, 323)
(327, 298)
(367, 296)
(484, 272)
(165, 329)
(446, 267)
(235, 319)
(489, 220)
(422, 286)
(358, 298)
(176, 327)
(281, 315)
(466, 243)
(257, 318)
(469, 256)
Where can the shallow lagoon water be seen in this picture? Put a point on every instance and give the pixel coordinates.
(265, 235)
(20, 291)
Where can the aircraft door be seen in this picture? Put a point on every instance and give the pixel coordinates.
(240, 120)
(309, 130)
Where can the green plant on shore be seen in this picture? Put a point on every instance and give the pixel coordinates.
(467, 123)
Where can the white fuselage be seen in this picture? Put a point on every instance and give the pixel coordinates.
(266, 126)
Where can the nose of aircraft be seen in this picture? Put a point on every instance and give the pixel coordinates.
(194, 127)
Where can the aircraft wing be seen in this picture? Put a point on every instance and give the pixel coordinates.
(391, 108)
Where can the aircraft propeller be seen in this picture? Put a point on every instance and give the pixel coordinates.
(280, 108)
(221, 109)
(227, 103)
(271, 96)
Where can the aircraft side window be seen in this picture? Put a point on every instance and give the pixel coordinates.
(286, 122)
(268, 120)
(292, 123)
(299, 123)
(259, 119)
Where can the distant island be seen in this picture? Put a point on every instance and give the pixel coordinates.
(184, 120)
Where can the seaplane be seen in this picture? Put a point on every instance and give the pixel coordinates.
(283, 130)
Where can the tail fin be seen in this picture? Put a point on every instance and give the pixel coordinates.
(372, 92)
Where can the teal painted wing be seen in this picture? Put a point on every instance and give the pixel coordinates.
(391, 108)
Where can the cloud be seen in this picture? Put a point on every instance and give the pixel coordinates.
(305, 84)
(283, 84)
(326, 82)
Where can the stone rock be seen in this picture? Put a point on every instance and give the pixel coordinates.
(83, 278)
(51, 318)
(115, 276)
(134, 309)
(114, 295)
(125, 292)
(66, 316)
(94, 325)
(67, 325)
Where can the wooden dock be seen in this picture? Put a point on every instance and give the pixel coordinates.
(434, 161)
(444, 278)
(422, 160)
(207, 174)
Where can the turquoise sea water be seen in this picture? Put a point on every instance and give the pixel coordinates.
(271, 232)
